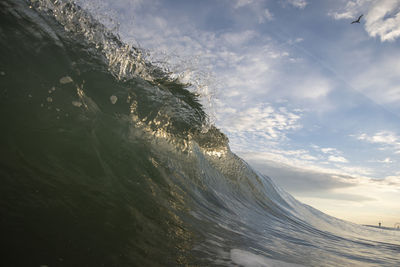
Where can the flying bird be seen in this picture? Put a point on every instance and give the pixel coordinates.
(358, 20)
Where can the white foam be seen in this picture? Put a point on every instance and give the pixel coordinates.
(249, 259)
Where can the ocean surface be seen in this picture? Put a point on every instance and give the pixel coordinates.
(107, 160)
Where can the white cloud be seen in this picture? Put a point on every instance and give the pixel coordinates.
(337, 159)
(386, 140)
(383, 20)
(383, 137)
(238, 38)
(299, 153)
(260, 121)
(359, 173)
(393, 180)
(351, 10)
(329, 150)
(309, 162)
(295, 41)
(382, 17)
(257, 8)
(241, 3)
(332, 154)
(298, 3)
(252, 70)
(312, 87)
(267, 15)
(386, 160)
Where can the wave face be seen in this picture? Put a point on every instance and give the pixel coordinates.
(107, 161)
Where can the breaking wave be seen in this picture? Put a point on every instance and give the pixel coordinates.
(108, 160)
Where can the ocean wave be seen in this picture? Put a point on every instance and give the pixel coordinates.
(106, 161)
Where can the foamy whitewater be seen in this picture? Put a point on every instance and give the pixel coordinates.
(107, 160)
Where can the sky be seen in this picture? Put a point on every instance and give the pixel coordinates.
(304, 96)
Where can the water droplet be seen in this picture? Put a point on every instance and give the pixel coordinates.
(66, 79)
(77, 103)
(113, 99)
(49, 99)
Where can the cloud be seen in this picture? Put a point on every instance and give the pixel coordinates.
(382, 17)
(295, 41)
(329, 150)
(258, 126)
(252, 70)
(266, 15)
(386, 160)
(312, 87)
(310, 183)
(242, 3)
(393, 180)
(299, 153)
(337, 159)
(257, 8)
(236, 39)
(351, 9)
(296, 179)
(383, 20)
(359, 172)
(296, 3)
(340, 196)
(331, 154)
(380, 81)
(382, 137)
(386, 140)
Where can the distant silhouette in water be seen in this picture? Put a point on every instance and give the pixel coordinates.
(357, 20)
